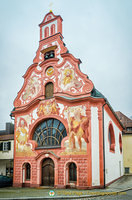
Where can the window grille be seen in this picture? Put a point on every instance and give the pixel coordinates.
(49, 133)
(127, 170)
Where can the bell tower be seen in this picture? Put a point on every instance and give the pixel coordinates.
(50, 25)
(51, 40)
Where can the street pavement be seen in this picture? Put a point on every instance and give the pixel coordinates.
(121, 189)
(127, 195)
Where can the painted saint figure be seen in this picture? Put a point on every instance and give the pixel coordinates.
(21, 134)
(78, 127)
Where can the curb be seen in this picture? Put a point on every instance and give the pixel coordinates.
(69, 197)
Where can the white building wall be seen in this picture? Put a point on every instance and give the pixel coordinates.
(95, 146)
(6, 159)
(113, 161)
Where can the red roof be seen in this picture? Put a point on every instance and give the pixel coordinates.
(7, 137)
(127, 122)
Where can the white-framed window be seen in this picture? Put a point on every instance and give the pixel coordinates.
(5, 146)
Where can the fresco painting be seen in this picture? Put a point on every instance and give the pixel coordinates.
(32, 88)
(69, 80)
(23, 148)
(78, 130)
(75, 144)
(47, 108)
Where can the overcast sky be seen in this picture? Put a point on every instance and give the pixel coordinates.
(99, 32)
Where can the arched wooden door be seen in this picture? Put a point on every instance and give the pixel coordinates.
(48, 172)
(72, 172)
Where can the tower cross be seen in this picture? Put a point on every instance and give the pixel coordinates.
(50, 6)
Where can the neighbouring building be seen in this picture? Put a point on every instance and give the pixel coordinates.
(126, 142)
(66, 132)
(7, 150)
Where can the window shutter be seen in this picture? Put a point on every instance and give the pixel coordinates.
(1, 146)
(9, 145)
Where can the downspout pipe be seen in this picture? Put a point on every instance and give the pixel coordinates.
(103, 142)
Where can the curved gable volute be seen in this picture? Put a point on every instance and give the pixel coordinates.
(67, 78)
(31, 87)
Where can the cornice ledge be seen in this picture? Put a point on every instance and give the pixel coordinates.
(64, 55)
(48, 61)
(26, 107)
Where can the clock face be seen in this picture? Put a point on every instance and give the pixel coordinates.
(49, 71)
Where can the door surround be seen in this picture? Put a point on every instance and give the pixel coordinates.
(39, 158)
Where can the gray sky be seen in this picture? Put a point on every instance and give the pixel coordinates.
(99, 32)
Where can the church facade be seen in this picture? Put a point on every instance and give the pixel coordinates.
(66, 132)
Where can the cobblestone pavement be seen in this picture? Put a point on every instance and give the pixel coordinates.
(122, 196)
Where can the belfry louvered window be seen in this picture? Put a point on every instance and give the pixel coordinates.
(49, 54)
(49, 133)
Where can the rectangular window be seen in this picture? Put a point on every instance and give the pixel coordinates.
(129, 128)
(126, 170)
(6, 146)
(11, 171)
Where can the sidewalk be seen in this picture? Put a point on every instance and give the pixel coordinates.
(120, 186)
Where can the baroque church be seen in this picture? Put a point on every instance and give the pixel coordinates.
(66, 132)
